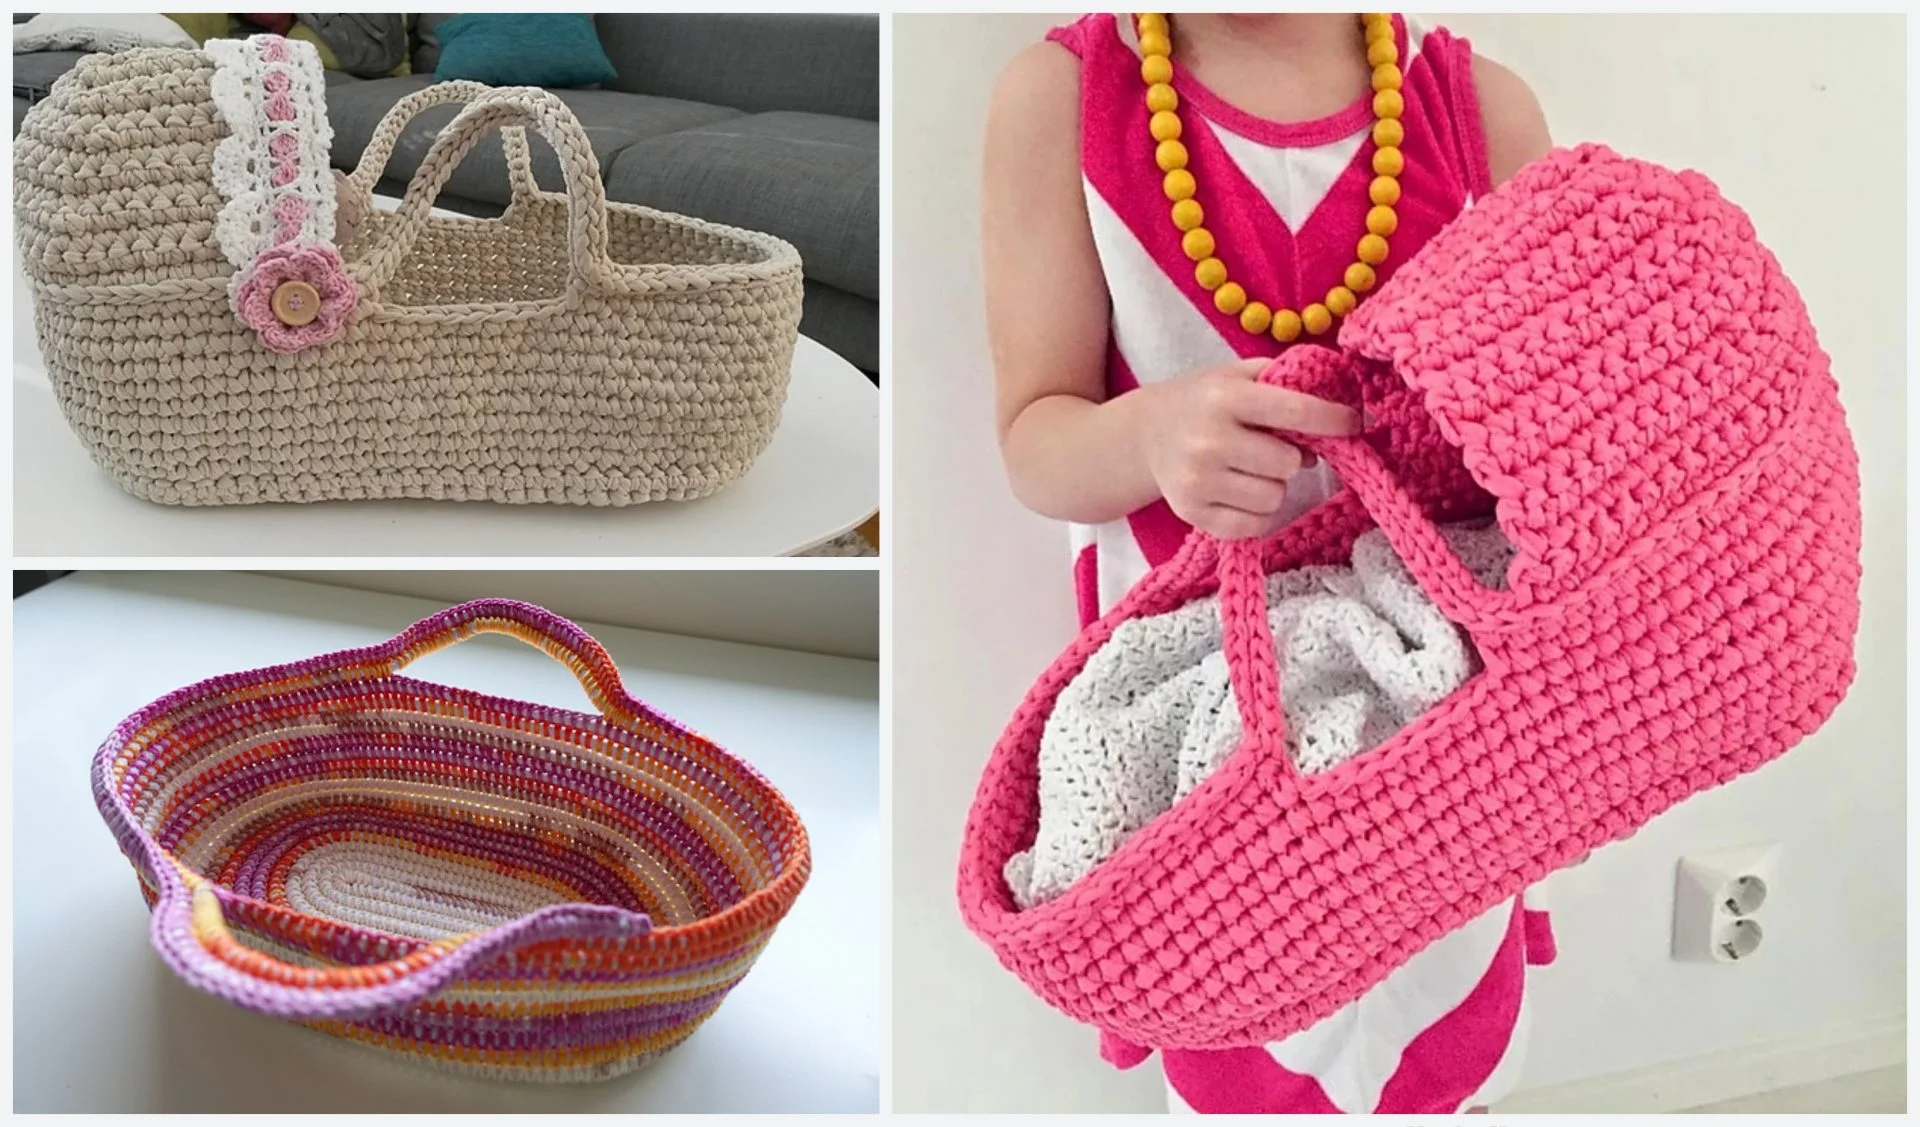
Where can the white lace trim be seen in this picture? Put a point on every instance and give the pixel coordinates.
(245, 162)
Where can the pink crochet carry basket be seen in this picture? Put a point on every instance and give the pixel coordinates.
(1602, 357)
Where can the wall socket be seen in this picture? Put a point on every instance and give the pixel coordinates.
(1718, 898)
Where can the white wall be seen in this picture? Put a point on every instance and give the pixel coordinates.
(1800, 120)
(834, 612)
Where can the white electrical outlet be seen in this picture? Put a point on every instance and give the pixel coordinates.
(1717, 898)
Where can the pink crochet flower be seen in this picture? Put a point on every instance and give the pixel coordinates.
(317, 266)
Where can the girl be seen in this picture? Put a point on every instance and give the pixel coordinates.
(1169, 202)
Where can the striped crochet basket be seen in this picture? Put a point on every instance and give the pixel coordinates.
(1601, 357)
(225, 321)
(497, 887)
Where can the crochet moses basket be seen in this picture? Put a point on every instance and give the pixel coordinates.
(1600, 356)
(226, 321)
(488, 885)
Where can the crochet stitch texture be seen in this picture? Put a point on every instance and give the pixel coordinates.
(486, 885)
(571, 351)
(1601, 355)
(1362, 652)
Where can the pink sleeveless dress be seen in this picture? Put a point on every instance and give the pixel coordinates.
(1287, 203)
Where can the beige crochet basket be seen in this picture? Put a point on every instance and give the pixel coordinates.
(212, 343)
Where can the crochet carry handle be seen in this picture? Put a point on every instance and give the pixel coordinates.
(190, 920)
(561, 640)
(1247, 635)
(505, 108)
(379, 150)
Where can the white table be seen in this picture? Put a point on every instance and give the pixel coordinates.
(101, 1025)
(819, 477)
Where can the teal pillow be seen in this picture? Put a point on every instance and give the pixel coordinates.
(522, 50)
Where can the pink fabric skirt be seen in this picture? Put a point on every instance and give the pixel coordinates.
(1443, 1033)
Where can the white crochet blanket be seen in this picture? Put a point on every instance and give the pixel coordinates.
(1363, 652)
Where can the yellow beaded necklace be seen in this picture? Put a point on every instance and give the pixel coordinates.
(1156, 69)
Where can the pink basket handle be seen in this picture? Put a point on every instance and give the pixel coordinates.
(526, 106)
(1247, 636)
(190, 925)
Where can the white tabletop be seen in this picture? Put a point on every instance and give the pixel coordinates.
(819, 478)
(99, 1022)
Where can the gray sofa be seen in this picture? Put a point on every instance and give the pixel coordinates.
(769, 122)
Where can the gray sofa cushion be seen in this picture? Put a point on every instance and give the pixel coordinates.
(34, 72)
(824, 64)
(612, 120)
(847, 324)
(812, 180)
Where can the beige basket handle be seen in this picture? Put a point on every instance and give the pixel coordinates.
(501, 109)
(373, 159)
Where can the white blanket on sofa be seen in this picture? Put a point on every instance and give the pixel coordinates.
(56, 31)
(1363, 652)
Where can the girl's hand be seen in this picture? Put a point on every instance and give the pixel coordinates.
(1205, 440)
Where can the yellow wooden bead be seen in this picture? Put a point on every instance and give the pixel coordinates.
(1170, 155)
(1387, 133)
(1230, 298)
(1161, 98)
(1385, 190)
(1197, 243)
(1178, 184)
(1286, 326)
(1156, 68)
(1386, 76)
(1187, 214)
(1360, 277)
(1389, 162)
(1382, 221)
(1388, 103)
(1151, 22)
(1211, 273)
(1256, 317)
(1155, 43)
(1340, 301)
(1372, 250)
(1165, 126)
(1382, 51)
(1379, 29)
(1316, 318)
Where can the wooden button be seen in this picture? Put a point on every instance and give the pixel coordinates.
(295, 303)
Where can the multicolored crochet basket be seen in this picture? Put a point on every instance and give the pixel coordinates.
(502, 888)
(226, 321)
(1601, 356)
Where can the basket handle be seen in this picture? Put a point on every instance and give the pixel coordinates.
(1241, 564)
(525, 106)
(379, 150)
(561, 640)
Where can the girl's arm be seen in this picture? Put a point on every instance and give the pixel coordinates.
(1070, 453)
(1516, 129)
